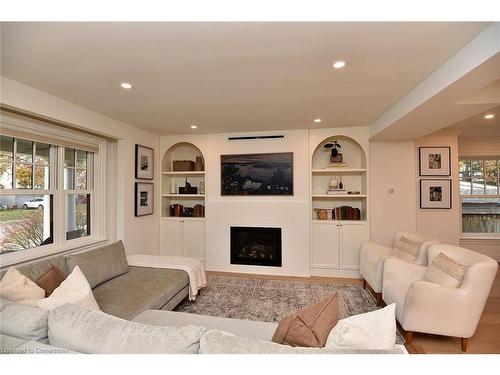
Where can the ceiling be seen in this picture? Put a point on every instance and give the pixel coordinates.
(230, 77)
(479, 126)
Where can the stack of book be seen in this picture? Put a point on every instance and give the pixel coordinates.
(346, 213)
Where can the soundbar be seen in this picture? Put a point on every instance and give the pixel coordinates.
(250, 137)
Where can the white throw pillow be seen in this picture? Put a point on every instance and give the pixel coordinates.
(16, 287)
(406, 249)
(445, 271)
(374, 330)
(74, 290)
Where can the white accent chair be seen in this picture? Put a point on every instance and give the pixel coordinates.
(426, 307)
(372, 256)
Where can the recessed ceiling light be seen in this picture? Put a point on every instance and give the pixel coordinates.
(339, 64)
(126, 85)
(317, 120)
(194, 126)
(489, 115)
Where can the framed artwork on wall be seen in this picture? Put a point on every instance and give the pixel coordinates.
(257, 174)
(435, 194)
(434, 161)
(144, 198)
(144, 162)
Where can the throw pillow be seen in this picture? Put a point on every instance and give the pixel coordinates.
(51, 280)
(16, 287)
(309, 327)
(445, 271)
(74, 290)
(375, 330)
(406, 249)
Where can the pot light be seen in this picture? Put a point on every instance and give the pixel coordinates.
(317, 120)
(194, 126)
(126, 85)
(339, 64)
(489, 116)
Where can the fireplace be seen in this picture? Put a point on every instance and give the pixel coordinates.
(257, 246)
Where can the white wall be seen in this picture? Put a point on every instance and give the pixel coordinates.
(140, 235)
(392, 166)
(444, 224)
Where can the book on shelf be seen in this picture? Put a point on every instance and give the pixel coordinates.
(346, 213)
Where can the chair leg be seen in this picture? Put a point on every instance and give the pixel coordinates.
(378, 296)
(408, 337)
(364, 284)
(465, 341)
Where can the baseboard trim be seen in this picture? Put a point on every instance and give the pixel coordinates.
(311, 279)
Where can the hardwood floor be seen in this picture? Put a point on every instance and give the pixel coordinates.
(486, 340)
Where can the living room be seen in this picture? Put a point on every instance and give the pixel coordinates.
(250, 187)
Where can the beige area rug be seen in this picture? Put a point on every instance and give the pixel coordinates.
(270, 300)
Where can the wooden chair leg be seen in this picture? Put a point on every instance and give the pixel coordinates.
(379, 298)
(464, 344)
(364, 284)
(408, 337)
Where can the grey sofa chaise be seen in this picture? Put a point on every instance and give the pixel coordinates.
(120, 290)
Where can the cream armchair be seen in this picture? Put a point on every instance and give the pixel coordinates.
(426, 307)
(371, 259)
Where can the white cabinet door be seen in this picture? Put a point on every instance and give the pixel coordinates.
(193, 238)
(325, 245)
(351, 237)
(171, 237)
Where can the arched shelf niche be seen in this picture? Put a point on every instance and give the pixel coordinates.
(172, 180)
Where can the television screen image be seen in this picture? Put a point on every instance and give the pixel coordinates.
(257, 174)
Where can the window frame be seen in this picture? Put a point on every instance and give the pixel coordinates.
(60, 137)
(483, 159)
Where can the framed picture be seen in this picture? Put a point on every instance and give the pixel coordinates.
(434, 161)
(435, 193)
(144, 162)
(144, 198)
(257, 174)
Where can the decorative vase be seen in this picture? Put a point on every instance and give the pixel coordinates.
(333, 183)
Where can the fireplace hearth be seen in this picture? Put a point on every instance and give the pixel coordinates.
(256, 246)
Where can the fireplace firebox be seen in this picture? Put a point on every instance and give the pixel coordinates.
(257, 246)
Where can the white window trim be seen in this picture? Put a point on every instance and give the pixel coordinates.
(10, 124)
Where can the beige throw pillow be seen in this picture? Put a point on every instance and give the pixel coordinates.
(406, 249)
(445, 271)
(310, 326)
(74, 290)
(16, 287)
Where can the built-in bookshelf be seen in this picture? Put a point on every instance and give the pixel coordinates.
(336, 237)
(172, 180)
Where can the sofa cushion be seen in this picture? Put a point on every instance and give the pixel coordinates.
(372, 330)
(445, 271)
(141, 289)
(219, 342)
(51, 280)
(240, 327)
(75, 290)
(21, 321)
(310, 326)
(16, 287)
(101, 264)
(87, 331)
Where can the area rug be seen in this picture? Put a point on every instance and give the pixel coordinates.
(270, 300)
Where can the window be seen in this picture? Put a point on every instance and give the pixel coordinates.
(480, 196)
(48, 192)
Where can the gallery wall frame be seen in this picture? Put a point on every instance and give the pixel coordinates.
(435, 194)
(434, 161)
(144, 199)
(144, 162)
